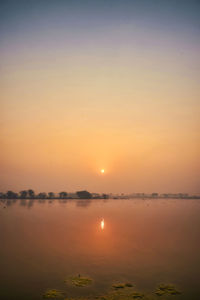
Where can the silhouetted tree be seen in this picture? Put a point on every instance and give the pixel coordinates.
(11, 195)
(154, 194)
(23, 194)
(63, 195)
(31, 194)
(166, 195)
(106, 196)
(42, 195)
(51, 195)
(84, 194)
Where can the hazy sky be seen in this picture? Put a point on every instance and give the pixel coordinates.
(87, 85)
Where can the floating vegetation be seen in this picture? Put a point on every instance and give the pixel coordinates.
(137, 295)
(128, 284)
(165, 289)
(122, 291)
(119, 291)
(79, 280)
(54, 294)
(122, 285)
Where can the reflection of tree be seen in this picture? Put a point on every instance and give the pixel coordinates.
(50, 201)
(63, 200)
(23, 202)
(42, 201)
(83, 203)
(30, 203)
(27, 202)
(9, 202)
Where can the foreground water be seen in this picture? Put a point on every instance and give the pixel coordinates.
(146, 242)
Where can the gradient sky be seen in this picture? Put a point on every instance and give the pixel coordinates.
(87, 85)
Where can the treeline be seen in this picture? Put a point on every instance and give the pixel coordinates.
(30, 194)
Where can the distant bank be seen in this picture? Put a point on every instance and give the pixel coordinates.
(31, 194)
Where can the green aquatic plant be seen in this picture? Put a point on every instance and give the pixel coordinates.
(55, 294)
(119, 291)
(122, 291)
(137, 295)
(164, 289)
(122, 285)
(159, 292)
(79, 280)
(128, 284)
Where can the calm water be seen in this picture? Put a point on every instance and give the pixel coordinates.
(146, 242)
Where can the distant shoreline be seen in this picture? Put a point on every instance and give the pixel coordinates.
(109, 198)
(31, 194)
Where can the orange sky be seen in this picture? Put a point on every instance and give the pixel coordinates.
(119, 95)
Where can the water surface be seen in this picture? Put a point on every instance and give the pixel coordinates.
(146, 242)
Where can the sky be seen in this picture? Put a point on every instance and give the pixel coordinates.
(91, 85)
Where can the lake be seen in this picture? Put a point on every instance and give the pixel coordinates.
(145, 242)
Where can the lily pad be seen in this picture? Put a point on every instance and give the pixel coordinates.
(122, 285)
(53, 294)
(79, 280)
(165, 289)
(128, 284)
(137, 295)
(122, 291)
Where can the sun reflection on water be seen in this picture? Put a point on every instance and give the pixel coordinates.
(102, 224)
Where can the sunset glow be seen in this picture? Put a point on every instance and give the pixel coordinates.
(100, 118)
(104, 83)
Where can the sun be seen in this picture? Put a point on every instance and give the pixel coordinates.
(102, 171)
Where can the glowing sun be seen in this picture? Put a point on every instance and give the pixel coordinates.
(102, 171)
